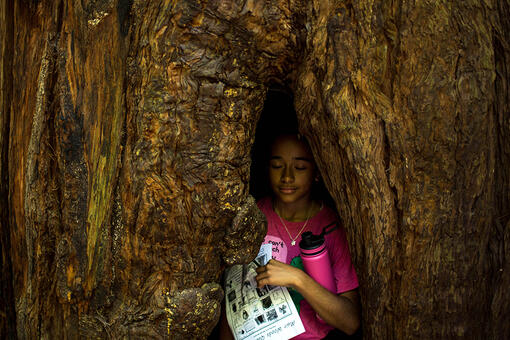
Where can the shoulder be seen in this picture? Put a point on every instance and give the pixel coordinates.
(326, 216)
(337, 235)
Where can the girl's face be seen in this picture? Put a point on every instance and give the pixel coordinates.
(291, 170)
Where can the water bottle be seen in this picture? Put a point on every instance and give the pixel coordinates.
(316, 258)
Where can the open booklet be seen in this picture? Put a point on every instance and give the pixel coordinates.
(259, 313)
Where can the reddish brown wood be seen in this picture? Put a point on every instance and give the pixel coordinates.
(126, 129)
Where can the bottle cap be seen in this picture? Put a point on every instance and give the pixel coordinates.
(311, 241)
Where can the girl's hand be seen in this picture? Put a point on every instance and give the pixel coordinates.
(277, 273)
(340, 311)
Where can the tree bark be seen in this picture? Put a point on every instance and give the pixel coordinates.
(417, 160)
(7, 310)
(126, 130)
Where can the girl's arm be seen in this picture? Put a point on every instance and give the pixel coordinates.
(340, 311)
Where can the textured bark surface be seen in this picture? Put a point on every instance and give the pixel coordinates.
(7, 310)
(126, 129)
(416, 160)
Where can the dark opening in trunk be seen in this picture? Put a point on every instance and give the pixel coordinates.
(278, 116)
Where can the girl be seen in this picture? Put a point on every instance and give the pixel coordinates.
(291, 211)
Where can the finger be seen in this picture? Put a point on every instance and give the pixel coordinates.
(260, 269)
(261, 276)
(274, 264)
(262, 281)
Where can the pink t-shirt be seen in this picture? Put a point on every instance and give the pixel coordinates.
(338, 249)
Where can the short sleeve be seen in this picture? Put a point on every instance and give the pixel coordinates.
(343, 269)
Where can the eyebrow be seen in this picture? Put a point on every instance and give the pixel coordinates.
(296, 158)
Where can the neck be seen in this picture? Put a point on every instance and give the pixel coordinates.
(297, 211)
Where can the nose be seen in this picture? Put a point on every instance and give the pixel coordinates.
(287, 175)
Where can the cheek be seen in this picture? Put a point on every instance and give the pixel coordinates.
(307, 180)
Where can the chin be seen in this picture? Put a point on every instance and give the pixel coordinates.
(287, 198)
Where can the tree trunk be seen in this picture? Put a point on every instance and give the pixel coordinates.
(7, 311)
(126, 129)
(417, 160)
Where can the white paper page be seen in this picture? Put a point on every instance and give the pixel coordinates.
(259, 313)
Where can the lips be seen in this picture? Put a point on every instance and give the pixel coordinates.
(287, 190)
